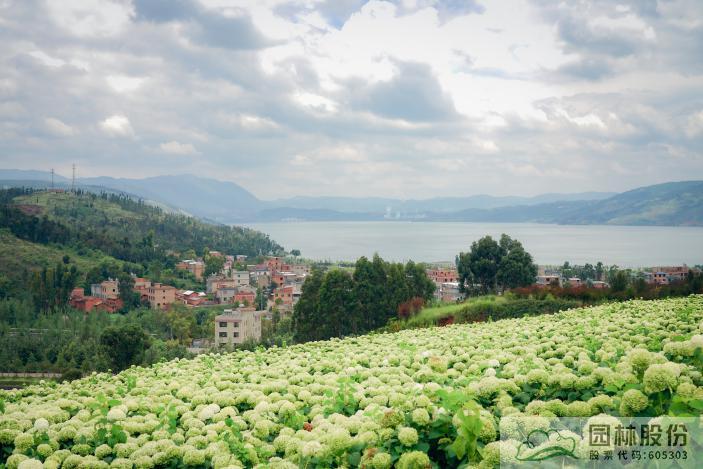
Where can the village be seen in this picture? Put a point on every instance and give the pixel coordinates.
(250, 295)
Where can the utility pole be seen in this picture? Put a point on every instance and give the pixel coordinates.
(73, 179)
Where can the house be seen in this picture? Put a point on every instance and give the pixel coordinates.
(262, 281)
(660, 278)
(245, 295)
(235, 326)
(666, 275)
(574, 282)
(195, 267)
(301, 270)
(449, 292)
(599, 285)
(108, 289)
(225, 295)
(285, 294)
(274, 263)
(283, 278)
(215, 282)
(240, 258)
(93, 303)
(190, 297)
(241, 278)
(161, 296)
(443, 275)
(547, 280)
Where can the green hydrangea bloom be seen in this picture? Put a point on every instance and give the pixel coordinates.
(414, 460)
(407, 436)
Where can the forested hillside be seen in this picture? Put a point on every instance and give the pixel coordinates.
(92, 229)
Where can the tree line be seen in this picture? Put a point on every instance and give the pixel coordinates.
(337, 302)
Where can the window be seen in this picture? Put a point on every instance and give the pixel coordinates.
(224, 334)
(236, 324)
(235, 334)
(223, 324)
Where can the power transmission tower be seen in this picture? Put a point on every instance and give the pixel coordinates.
(73, 179)
(52, 179)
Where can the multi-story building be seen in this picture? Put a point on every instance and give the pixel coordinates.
(449, 292)
(547, 280)
(301, 270)
(108, 289)
(443, 275)
(241, 278)
(195, 267)
(93, 303)
(216, 282)
(235, 326)
(225, 295)
(285, 294)
(161, 296)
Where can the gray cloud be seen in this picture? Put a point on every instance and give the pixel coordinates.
(617, 113)
(412, 94)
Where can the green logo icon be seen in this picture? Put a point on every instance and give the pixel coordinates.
(564, 446)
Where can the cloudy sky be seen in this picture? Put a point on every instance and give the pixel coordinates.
(413, 98)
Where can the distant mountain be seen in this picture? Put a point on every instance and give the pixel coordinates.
(668, 204)
(672, 203)
(436, 204)
(675, 203)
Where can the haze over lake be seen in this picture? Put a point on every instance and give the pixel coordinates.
(627, 246)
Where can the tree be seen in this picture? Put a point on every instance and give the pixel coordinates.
(129, 297)
(124, 345)
(213, 265)
(495, 265)
(516, 268)
(295, 252)
(619, 281)
(480, 265)
(339, 316)
(306, 312)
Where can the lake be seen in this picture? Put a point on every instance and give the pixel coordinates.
(626, 246)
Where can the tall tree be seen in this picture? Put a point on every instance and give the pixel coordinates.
(339, 315)
(306, 313)
(516, 268)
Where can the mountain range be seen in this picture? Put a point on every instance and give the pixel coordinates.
(673, 203)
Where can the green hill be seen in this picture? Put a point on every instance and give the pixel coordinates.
(43, 226)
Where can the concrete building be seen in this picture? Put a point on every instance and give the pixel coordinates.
(449, 292)
(241, 278)
(547, 280)
(161, 296)
(216, 282)
(225, 296)
(197, 268)
(235, 326)
(108, 289)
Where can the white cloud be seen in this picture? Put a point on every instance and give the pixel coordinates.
(117, 126)
(124, 83)
(694, 125)
(176, 148)
(58, 128)
(91, 18)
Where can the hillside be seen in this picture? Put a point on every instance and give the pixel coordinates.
(414, 399)
(19, 257)
(43, 226)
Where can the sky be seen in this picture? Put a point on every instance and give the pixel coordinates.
(407, 99)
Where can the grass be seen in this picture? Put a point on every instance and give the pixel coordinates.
(434, 314)
(480, 309)
(49, 201)
(19, 256)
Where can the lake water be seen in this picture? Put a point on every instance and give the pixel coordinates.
(626, 246)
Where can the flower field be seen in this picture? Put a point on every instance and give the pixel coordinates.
(414, 399)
